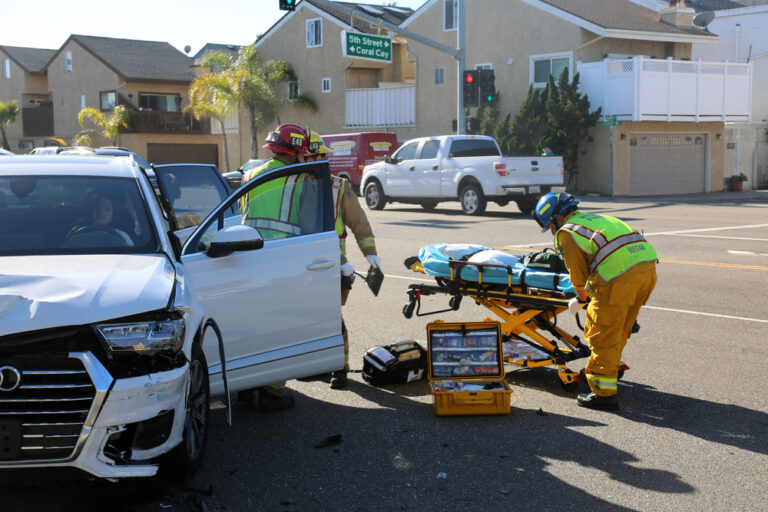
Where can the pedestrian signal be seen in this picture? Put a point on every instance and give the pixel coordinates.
(470, 82)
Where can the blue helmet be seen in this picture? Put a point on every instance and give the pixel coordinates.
(552, 204)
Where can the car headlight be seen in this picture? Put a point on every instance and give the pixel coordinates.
(144, 336)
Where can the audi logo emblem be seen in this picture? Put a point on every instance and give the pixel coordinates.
(10, 378)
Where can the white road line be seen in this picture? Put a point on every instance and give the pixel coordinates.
(708, 314)
(410, 278)
(726, 237)
(748, 253)
(724, 228)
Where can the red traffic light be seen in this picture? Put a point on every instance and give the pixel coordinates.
(468, 78)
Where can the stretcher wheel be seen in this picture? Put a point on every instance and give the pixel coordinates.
(408, 309)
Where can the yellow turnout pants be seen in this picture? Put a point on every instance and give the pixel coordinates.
(611, 313)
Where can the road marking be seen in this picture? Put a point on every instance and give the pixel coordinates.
(727, 237)
(749, 253)
(708, 314)
(725, 228)
(410, 278)
(713, 264)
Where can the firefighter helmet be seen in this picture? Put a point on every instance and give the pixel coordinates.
(316, 144)
(552, 204)
(288, 138)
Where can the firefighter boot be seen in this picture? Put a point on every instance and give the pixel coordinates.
(339, 379)
(594, 401)
(269, 402)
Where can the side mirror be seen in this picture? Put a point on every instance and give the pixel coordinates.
(388, 159)
(234, 238)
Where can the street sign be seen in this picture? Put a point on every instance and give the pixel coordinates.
(366, 46)
(611, 121)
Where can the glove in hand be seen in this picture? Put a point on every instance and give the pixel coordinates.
(374, 261)
(347, 269)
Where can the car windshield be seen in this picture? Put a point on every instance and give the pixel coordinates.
(73, 215)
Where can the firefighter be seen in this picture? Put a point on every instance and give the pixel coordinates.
(261, 209)
(348, 214)
(614, 266)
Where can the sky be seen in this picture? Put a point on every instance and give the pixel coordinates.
(48, 24)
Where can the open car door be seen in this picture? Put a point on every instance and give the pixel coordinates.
(275, 293)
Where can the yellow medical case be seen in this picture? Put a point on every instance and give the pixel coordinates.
(466, 368)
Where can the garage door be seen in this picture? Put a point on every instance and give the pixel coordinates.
(183, 153)
(669, 163)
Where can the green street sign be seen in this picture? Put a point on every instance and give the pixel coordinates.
(611, 121)
(365, 46)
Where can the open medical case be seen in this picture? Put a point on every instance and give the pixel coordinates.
(466, 368)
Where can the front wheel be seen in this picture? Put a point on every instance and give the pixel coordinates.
(185, 459)
(472, 200)
(374, 196)
(429, 205)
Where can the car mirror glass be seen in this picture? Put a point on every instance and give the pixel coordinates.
(234, 238)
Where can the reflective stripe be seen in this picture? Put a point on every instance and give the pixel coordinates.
(614, 245)
(604, 382)
(584, 231)
(287, 201)
(275, 225)
(367, 242)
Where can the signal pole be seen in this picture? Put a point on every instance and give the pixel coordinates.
(461, 122)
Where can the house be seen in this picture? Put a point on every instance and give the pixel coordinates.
(743, 38)
(354, 92)
(151, 78)
(22, 78)
(634, 63)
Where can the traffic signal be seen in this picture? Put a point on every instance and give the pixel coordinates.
(287, 5)
(487, 87)
(470, 81)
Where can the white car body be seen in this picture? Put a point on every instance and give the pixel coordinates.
(278, 308)
(428, 170)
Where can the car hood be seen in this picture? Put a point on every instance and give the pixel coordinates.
(40, 292)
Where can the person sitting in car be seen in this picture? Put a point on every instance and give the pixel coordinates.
(100, 217)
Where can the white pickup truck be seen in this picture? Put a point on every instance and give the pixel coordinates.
(467, 168)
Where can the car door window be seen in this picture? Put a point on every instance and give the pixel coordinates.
(192, 191)
(284, 203)
(407, 152)
(429, 150)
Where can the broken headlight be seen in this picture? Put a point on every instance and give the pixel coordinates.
(150, 336)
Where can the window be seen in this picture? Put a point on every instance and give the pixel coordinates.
(7, 68)
(107, 100)
(67, 62)
(26, 144)
(82, 101)
(439, 75)
(192, 190)
(63, 101)
(314, 33)
(550, 64)
(450, 14)
(326, 85)
(473, 147)
(160, 102)
(430, 149)
(407, 152)
(484, 66)
(293, 90)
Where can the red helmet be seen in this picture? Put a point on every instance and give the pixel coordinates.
(288, 138)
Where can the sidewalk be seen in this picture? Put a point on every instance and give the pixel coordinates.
(747, 196)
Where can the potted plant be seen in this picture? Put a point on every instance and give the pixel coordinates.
(736, 182)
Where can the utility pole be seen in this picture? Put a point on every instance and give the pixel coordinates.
(457, 53)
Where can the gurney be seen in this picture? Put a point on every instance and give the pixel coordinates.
(527, 300)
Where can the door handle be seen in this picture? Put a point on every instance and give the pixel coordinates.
(412, 168)
(322, 265)
(434, 167)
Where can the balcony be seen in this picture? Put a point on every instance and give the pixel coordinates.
(384, 107)
(643, 89)
(152, 121)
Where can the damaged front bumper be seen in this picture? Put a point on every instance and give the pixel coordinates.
(129, 424)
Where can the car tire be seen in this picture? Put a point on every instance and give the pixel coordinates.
(374, 195)
(503, 203)
(526, 206)
(472, 200)
(186, 458)
(428, 205)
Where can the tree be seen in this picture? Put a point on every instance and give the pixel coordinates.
(250, 83)
(568, 122)
(109, 125)
(9, 111)
(207, 100)
(528, 125)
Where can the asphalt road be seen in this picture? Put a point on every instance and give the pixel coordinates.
(691, 434)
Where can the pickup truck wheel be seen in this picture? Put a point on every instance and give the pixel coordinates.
(472, 200)
(428, 205)
(374, 196)
(526, 205)
(185, 459)
(503, 203)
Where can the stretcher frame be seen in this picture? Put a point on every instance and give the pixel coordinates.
(527, 314)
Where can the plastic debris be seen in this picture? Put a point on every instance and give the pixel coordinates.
(330, 441)
(442, 475)
(505, 491)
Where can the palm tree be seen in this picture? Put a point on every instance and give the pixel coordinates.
(109, 125)
(208, 99)
(250, 83)
(8, 113)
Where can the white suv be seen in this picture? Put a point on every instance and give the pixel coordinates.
(108, 286)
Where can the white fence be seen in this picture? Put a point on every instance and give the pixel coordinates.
(382, 107)
(643, 89)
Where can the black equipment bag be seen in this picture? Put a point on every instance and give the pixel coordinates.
(401, 362)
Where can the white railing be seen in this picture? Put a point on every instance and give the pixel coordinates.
(382, 107)
(643, 89)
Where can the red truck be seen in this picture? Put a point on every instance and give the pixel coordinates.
(350, 152)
